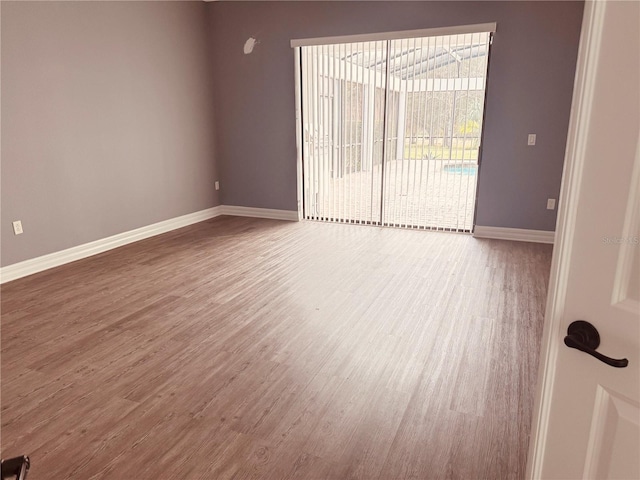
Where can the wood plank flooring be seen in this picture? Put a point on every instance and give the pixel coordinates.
(256, 349)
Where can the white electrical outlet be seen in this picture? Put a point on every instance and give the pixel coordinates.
(551, 203)
(17, 227)
(217, 185)
(531, 140)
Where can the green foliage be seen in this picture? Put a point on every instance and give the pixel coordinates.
(469, 128)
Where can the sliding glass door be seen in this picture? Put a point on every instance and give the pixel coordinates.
(391, 130)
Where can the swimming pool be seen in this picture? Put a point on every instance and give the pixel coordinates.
(461, 169)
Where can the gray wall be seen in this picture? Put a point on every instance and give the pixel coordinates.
(108, 108)
(530, 87)
(107, 120)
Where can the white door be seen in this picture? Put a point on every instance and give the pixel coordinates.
(587, 422)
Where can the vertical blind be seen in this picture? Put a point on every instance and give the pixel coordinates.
(391, 130)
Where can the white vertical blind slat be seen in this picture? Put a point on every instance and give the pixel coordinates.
(424, 95)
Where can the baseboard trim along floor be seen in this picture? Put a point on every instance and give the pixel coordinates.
(55, 259)
(516, 234)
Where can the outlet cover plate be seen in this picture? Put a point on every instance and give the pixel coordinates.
(17, 227)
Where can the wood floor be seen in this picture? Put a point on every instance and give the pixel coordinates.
(257, 349)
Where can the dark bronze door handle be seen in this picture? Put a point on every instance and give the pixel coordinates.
(585, 337)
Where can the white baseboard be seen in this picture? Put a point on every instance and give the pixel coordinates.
(517, 234)
(291, 215)
(38, 264)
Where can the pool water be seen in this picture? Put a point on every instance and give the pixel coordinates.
(461, 169)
